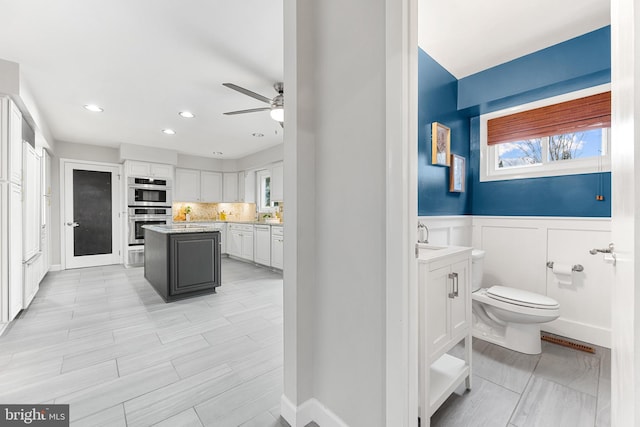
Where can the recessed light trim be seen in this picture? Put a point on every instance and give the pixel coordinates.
(94, 108)
(169, 131)
(186, 114)
(217, 153)
(258, 134)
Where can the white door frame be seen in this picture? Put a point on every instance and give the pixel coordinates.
(117, 244)
(625, 192)
(402, 395)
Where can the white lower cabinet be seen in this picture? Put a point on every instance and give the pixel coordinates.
(32, 272)
(277, 246)
(262, 236)
(240, 241)
(445, 320)
(222, 228)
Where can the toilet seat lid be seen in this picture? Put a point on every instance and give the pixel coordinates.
(521, 297)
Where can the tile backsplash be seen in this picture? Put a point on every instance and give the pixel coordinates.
(212, 211)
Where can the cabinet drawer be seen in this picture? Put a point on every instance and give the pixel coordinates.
(241, 227)
(277, 231)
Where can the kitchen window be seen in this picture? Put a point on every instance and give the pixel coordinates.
(564, 135)
(263, 178)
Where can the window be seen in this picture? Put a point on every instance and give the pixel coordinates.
(263, 186)
(563, 135)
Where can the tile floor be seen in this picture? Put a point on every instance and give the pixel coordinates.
(102, 340)
(560, 387)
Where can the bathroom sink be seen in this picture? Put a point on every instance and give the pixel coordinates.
(428, 247)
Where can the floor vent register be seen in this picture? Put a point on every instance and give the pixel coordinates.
(567, 343)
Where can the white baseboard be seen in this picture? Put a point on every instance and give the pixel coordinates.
(311, 410)
(579, 331)
(55, 267)
(3, 328)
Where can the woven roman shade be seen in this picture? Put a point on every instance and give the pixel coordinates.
(591, 112)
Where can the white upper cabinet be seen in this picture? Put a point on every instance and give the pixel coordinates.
(277, 185)
(241, 187)
(145, 169)
(193, 185)
(210, 186)
(10, 142)
(230, 193)
(187, 185)
(247, 186)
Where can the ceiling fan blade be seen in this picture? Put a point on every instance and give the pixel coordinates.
(252, 110)
(248, 92)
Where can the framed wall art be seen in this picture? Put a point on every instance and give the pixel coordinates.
(457, 174)
(440, 144)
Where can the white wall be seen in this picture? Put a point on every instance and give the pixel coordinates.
(205, 163)
(147, 154)
(261, 158)
(338, 151)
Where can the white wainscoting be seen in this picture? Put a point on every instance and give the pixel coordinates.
(517, 250)
(448, 230)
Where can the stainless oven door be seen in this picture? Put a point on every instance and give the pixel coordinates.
(136, 232)
(141, 196)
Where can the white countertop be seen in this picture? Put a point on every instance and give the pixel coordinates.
(431, 252)
(181, 228)
(203, 222)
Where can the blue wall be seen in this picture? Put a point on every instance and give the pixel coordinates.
(575, 64)
(437, 102)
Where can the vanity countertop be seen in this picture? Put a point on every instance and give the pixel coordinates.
(429, 252)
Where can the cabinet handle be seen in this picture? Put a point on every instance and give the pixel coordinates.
(454, 285)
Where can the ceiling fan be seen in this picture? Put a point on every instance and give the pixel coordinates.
(276, 104)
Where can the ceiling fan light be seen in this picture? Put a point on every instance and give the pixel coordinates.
(277, 114)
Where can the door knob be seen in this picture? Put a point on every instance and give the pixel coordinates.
(73, 224)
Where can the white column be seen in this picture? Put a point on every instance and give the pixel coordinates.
(349, 200)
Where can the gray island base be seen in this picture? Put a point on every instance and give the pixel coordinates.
(182, 261)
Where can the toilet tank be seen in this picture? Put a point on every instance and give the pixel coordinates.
(477, 260)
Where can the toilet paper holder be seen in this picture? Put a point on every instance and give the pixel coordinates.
(578, 267)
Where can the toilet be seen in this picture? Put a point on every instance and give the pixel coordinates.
(506, 316)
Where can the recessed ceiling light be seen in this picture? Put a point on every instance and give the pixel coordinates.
(169, 131)
(258, 134)
(93, 108)
(217, 153)
(187, 114)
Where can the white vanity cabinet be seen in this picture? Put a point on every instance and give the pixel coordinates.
(444, 281)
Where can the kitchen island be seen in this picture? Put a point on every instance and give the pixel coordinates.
(182, 261)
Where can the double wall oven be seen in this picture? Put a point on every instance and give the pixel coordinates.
(149, 202)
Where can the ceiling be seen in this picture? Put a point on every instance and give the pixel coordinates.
(143, 61)
(467, 36)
